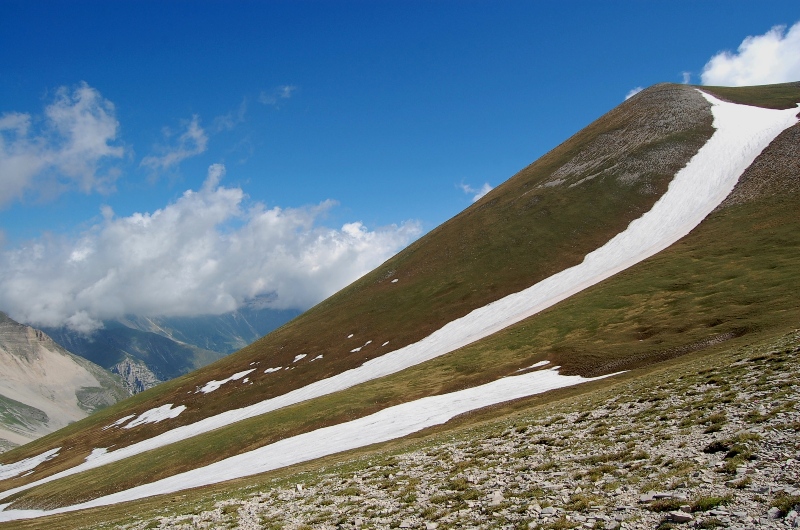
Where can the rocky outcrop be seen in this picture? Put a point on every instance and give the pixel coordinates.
(135, 374)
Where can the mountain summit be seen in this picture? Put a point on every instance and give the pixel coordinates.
(665, 228)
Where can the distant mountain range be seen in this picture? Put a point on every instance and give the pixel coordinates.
(147, 351)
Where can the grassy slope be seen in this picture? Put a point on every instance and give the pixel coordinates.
(697, 380)
(517, 235)
(735, 278)
(781, 96)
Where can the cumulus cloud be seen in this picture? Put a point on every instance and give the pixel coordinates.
(476, 193)
(68, 147)
(208, 252)
(773, 57)
(278, 93)
(192, 142)
(632, 92)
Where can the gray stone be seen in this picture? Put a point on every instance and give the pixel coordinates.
(774, 513)
(647, 497)
(680, 517)
(497, 498)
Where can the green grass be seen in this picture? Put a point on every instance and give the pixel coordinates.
(781, 96)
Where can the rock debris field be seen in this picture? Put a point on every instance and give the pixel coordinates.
(711, 442)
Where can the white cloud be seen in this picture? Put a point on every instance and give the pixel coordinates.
(192, 142)
(228, 121)
(208, 252)
(66, 148)
(686, 77)
(773, 57)
(477, 193)
(277, 94)
(632, 92)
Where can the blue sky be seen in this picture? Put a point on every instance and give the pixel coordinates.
(355, 126)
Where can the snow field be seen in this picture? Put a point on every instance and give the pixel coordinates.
(742, 132)
(387, 424)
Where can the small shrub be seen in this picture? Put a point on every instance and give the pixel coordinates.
(786, 503)
(703, 504)
(717, 446)
(665, 505)
(711, 522)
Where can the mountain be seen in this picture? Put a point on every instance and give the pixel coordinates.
(224, 333)
(147, 351)
(44, 387)
(143, 359)
(664, 234)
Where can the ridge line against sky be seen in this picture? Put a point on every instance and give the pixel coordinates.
(114, 200)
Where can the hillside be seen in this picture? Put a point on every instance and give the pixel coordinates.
(732, 280)
(44, 387)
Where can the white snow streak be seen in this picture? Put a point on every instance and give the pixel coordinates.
(164, 412)
(387, 424)
(742, 132)
(12, 470)
(214, 384)
(119, 421)
(536, 365)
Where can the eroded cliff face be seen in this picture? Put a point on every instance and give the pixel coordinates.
(44, 387)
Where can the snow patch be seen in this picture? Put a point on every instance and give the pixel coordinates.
(28, 464)
(536, 365)
(354, 350)
(100, 451)
(164, 412)
(298, 357)
(394, 281)
(315, 358)
(119, 421)
(272, 370)
(214, 384)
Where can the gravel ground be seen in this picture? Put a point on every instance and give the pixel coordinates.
(711, 444)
